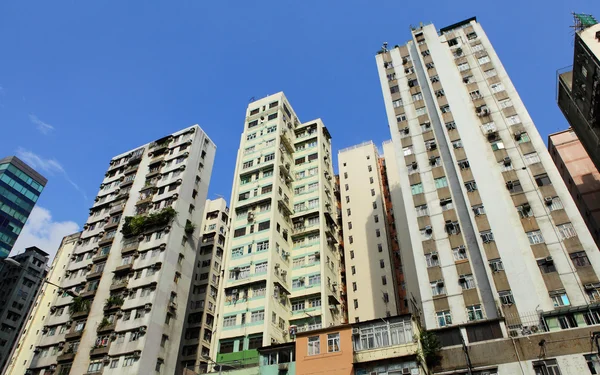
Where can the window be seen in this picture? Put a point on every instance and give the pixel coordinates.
(506, 297)
(432, 260)
(298, 305)
(497, 87)
(333, 342)
(421, 111)
(546, 367)
(467, 281)
(257, 316)
(384, 281)
(496, 265)
(417, 96)
(95, 366)
(478, 210)
(498, 145)
(397, 103)
(457, 143)
(531, 158)
(566, 231)
(394, 89)
(474, 312)
(484, 60)
(542, 180)
(445, 109)
(401, 117)
(437, 288)
(580, 259)
(490, 73)
(546, 265)
(450, 125)
(459, 253)
(471, 186)
(441, 182)
(314, 345)
(486, 236)
(464, 66)
(416, 188)
(506, 103)
(514, 186)
(513, 120)
(554, 203)
(422, 210)
(444, 318)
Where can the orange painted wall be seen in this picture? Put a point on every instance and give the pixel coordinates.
(338, 363)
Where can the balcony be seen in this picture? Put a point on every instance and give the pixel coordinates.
(99, 258)
(106, 328)
(287, 143)
(130, 169)
(243, 358)
(66, 357)
(117, 208)
(73, 335)
(159, 146)
(124, 268)
(99, 351)
(94, 275)
(305, 229)
(88, 293)
(105, 240)
(130, 246)
(284, 204)
(119, 285)
(144, 200)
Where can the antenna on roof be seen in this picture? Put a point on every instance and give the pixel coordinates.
(583, 21)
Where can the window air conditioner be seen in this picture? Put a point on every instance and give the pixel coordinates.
(548, 200)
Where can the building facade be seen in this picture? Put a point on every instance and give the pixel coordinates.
(370, 276)
(282, 265)
(579, 88)
(19, 287)
(200, 318)
(121, 304)
(25, 344)
(487, 228)
(20, 188)
(579, 174)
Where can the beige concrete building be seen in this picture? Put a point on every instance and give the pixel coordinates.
(200, 319)
(579, 174)
(492, 243)
(370, 279)
(32, 330)
(132, 268)
(282, 265)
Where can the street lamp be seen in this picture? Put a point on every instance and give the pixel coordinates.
(14, 263)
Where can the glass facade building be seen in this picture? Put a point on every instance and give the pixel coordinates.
(20, 188)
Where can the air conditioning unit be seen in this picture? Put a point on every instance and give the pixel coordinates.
(406, 130)
(548, 259)
(236, 269)
(285, 254)
(355, 331)
(440, 282)
(589, 286)
(548, 200)
(428, 229)
(234, 291)
(147, 306)
(462, 249)
(283, 273)
(462, 277)
(250, 216)
(414, 165)
(506, 161)
(52, 367)
(317, 255)
(143, 329)
(277, 265)
(106, 359)
(301, 279)
(137, 353)
(434, 255)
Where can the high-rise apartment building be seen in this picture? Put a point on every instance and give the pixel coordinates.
(19, 286)
(23, 350)
(579, 174)
(579, 88)
(281, 270)
(370, 276)
(20, 188)
(124, 290)
(486, 226)
(200, 318)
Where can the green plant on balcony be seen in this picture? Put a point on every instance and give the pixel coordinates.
(430, 349)
(113, 301)
(190, 227)
(104, 323)
(136, 225)
(79, 305)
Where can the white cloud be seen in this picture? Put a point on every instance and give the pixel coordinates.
(41, 231)
(42, 126)
(50, 166)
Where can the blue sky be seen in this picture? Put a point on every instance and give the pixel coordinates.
(82, 81)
